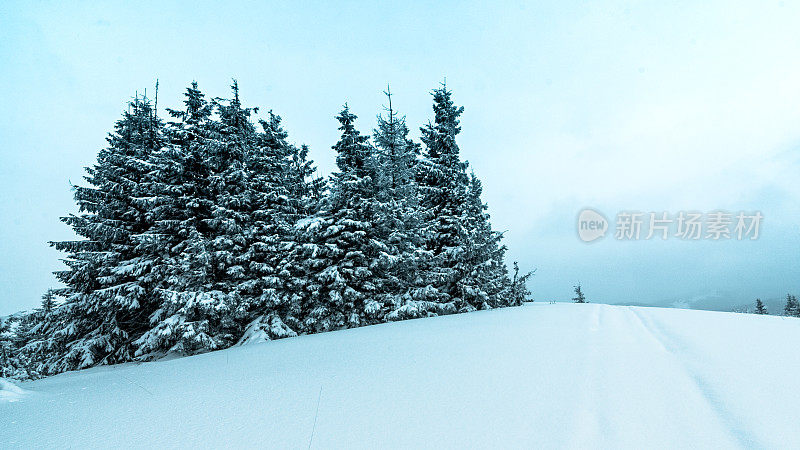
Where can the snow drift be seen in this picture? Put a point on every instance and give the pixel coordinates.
(9, 392)
(537, 376)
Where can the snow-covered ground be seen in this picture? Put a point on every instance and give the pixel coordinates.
(9, 392)
(541, 375)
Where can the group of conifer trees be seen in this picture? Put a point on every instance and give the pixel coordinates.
(791, 309)
(207, 229)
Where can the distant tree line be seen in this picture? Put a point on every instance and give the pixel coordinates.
(209, 229)
(791, 309)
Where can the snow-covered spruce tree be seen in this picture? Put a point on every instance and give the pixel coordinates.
(792, 308)
(228, 198)
(339, 266)
(518, 293)
(204, 221)
(106, 303)
(9, 354)
(760, 308)
(282, 195)
(32, 337)
(443, 187)
(405, 291)
(468, 269)
(484, 282)
(579, 296)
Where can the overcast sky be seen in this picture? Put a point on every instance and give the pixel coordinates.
(611, 105)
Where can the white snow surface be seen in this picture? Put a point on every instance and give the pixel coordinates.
(537, 376)
(9, 392)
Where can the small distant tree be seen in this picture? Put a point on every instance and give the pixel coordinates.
(518, 292)
(760, 308)
(5, 348)
(48, 301)
(10, 364)
(579, 297)
(792, 308)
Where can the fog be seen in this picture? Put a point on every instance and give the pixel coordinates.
(617, 106)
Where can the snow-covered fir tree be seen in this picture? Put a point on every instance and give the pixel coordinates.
(283, 194)
(468, 270)
(206, 222)
(792, 307)
(518, 293)
(32, 338)
(339, 263)
(485, 283)
(443, 185)
(760, 308)
(106, 298)
(179, 203)
(406, 292)
(579, 296)
(9, 362)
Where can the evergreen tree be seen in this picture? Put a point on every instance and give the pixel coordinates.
(48, 301)
(9, 364)
(579, 297)
(405, 291)
(337, 266)
(34, 342)
(443, 186)
(518, 292)
(283, 194)
(792, 308)
(106, 302)
(486, 282)
(205, 221)
(468, 269)
(760, 308)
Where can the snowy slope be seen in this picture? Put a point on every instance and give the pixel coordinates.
(541, 375)
(10, 392)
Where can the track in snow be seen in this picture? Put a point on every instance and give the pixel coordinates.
(537, 376)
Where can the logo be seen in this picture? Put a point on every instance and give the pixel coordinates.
(716, 225)
(591, 225)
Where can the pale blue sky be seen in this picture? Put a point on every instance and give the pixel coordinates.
(616, 105)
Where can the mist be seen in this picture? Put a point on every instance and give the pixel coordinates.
(617, 106)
